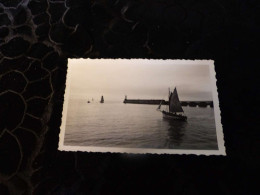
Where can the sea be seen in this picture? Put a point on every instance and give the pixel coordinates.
(115, 124)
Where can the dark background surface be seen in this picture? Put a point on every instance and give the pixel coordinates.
(37, 37)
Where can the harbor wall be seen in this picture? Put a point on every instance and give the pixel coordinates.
(138, 101)
(157, 102)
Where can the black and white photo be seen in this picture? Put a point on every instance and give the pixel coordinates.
(141, 106)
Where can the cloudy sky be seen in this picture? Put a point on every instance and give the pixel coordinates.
(143, 79)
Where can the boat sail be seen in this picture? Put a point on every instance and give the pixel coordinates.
(175, 111)
(159, 107)
(102, 99)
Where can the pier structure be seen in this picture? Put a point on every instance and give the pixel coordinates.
(163, 102)
(197, 103)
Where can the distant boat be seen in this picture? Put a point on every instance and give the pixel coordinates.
(102, 99)
(174, 111)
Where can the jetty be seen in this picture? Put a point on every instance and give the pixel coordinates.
(163, 102)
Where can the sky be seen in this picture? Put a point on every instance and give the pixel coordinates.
(138, 79)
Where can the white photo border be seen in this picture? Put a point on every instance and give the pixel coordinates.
(217, 114)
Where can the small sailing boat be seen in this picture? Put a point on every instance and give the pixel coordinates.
(174, 111)
(102, 99)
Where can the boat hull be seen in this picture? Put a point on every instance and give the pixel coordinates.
(171, 116)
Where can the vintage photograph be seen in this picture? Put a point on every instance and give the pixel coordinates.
(141, 106)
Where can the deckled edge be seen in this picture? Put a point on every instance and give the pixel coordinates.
(65, 109)
(219, 130)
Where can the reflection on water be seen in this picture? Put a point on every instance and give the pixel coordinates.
(137, 126)
(176, 131)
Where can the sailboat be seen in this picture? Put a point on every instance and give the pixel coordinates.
(174, 111)
(102, 99)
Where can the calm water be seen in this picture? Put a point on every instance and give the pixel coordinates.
(114, 124)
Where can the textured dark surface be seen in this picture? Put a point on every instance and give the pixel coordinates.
(37, 37)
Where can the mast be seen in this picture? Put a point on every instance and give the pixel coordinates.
(169, 96)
